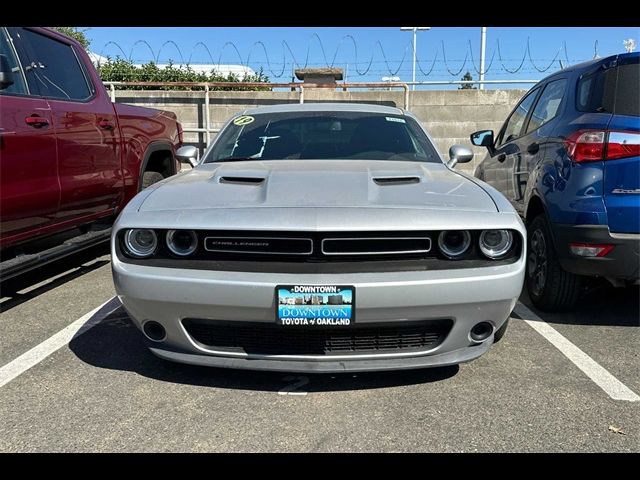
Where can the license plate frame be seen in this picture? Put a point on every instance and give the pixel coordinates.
(314, 309)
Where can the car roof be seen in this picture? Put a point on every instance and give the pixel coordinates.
(325, 107)
(590, 63)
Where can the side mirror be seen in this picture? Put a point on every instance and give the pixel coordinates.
(483, 138)
(188, 154)
(459, 154)
(6, 74)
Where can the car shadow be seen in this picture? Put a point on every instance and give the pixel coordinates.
(21, 288)
(600, 304)
(115, 343)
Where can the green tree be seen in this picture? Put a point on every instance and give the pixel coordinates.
(75, 33)
(467, 86)
(121, 70)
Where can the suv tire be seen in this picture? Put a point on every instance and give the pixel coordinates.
(549, 286)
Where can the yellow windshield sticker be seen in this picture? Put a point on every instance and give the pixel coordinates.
(243, 120)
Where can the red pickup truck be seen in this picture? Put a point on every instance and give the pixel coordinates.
(69, 157)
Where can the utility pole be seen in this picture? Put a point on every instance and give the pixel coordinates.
(483, 47)
(415, 31)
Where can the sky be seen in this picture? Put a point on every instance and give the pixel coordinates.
(367, 53)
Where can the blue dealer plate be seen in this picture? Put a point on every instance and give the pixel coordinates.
(315, 305)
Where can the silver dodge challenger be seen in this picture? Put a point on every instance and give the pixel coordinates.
(320, 238)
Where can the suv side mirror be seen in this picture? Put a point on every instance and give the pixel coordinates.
(6, 74)
(459, 154)
(483, 138)
(188, 154)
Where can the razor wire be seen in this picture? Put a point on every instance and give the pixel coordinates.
(289, 58)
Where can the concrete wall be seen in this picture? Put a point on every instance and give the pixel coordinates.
(449, 115)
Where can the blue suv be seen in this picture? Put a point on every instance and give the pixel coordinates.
(568, 159)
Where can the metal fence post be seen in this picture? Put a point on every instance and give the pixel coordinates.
(207, 115)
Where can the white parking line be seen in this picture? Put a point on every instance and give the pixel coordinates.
(38, 353)
(592, 369)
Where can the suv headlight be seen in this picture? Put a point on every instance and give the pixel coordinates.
(140, 242)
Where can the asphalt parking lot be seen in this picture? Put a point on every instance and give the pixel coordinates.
(103, 390)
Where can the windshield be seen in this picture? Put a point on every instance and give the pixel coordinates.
(322, 136)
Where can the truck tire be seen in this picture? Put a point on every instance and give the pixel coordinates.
(149, 178)
(549, 286)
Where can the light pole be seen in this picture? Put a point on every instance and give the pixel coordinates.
(415, 31)
(483, 47)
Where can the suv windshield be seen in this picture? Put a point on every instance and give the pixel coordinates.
(322, 136)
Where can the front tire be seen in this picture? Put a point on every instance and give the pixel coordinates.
(149, 178)
(549, 286)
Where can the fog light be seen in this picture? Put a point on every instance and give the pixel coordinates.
(140, 242)
(154, 331)
(590, 249)
(481, 331)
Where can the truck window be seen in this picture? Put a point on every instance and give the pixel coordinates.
(6, 48)
(55, 70)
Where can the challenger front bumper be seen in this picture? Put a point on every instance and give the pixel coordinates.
(465, 296)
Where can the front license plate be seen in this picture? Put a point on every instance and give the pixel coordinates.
(315, 305)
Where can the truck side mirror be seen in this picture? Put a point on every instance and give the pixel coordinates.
(188, 154)
(6, 73)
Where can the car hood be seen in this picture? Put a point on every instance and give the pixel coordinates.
(319, 184)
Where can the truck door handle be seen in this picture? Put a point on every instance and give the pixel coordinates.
(502, 157)
(36, 121)
(533, 148)
(106, 124)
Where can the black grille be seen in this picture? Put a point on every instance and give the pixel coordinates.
(259, 245)
(273, 339)
(376, 245)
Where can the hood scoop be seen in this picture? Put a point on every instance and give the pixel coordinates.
(382, 181)
(235, 180)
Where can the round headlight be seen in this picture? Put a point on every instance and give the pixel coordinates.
(141, 242)
(182, 242)
(495, 243)
(453, 243)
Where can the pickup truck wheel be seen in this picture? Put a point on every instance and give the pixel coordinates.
(549, 286)
(149, 178)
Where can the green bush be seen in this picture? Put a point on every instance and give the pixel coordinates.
(120, 70)
(75, 33)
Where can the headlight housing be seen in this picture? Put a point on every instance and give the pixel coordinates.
(140, 242)
(453, 243)
(182, 242)
(495, 244)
